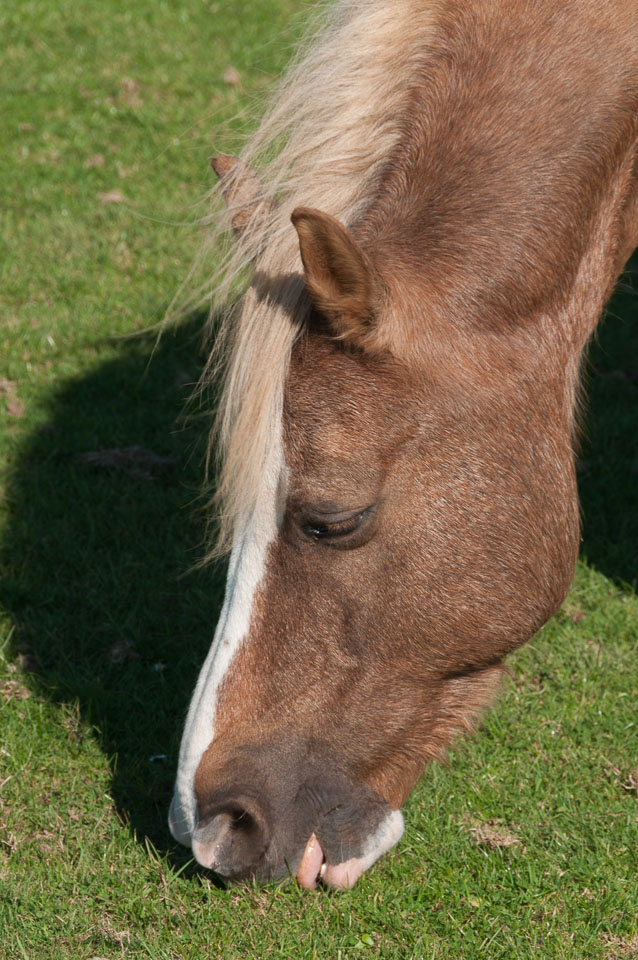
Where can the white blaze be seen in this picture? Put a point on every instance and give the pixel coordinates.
(245, 572)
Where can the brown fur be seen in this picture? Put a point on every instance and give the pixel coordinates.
(498, 226)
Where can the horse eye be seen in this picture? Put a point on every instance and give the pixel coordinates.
(332, 528)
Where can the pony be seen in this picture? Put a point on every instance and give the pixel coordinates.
(433, 214)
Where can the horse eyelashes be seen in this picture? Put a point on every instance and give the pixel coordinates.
(319, 531)
(340, 532)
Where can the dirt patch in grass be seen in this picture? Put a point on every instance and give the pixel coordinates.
(15, 406)
(14, 690)
(495, 835)
(619, 948)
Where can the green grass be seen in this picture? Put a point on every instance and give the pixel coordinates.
(103, 624)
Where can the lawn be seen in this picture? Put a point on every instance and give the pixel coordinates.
(526, 844)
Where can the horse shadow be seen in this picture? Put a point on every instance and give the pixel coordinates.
(608, 456)
(111, 611)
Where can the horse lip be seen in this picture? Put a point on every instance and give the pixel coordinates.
(312, 865)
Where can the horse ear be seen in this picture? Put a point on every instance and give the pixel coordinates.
(242, 189)
(339, 277)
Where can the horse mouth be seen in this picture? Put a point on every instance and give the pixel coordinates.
(312, 867)
(314, 870)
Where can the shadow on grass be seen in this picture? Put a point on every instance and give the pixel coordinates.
(98, 558)
(608, 462)
(99, 561)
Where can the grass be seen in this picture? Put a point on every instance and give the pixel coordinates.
(525, 845)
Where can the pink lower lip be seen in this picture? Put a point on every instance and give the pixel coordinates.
(313, 869)
(312, 865)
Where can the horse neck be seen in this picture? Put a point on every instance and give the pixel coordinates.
(511, 195)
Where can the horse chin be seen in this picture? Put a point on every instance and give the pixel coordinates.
(314, 868)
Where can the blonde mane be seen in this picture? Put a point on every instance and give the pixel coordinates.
(334, 121)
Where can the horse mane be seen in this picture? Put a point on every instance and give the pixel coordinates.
(334, 122)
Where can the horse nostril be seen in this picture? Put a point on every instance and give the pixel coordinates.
(232, 838)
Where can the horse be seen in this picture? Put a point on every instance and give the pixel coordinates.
(433, 212)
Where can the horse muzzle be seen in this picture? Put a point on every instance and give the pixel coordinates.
(325, 829)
